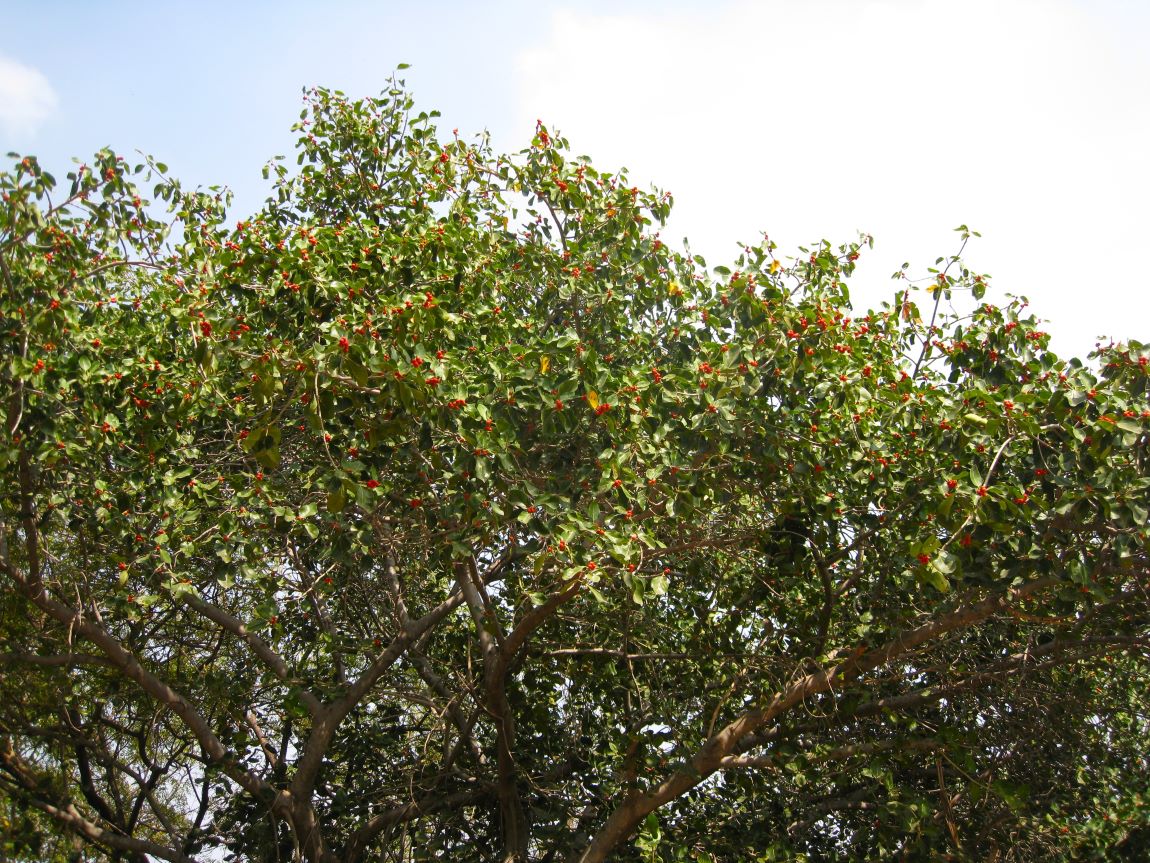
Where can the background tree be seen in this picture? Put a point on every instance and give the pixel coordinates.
(441, 511)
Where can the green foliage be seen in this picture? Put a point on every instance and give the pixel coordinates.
(440, 510)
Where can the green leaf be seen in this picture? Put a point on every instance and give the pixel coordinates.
(934, 576)
(945, 563)
(268, 457)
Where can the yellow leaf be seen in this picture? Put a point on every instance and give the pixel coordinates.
(544, 364)
(674, 289)
(775, 266)
(593, 399)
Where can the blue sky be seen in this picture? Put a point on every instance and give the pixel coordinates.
(1029, 120)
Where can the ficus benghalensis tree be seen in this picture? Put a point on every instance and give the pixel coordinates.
(441, 510)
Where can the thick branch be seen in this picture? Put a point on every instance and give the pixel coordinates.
(33, 792)
(612, 653)
(402, 813)
(535, 618)
(74, 821)
(495, 685)
(161, 692)
(258, 646)
(328, 720)
(1035, 659)
(839, 753)
(709, 758)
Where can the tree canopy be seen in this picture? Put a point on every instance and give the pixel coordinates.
(442, 510)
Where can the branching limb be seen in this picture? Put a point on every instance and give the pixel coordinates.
(28, 786)
(627, 816)
(258, 646)
(839, 753)
(404, 812)
(495, 686)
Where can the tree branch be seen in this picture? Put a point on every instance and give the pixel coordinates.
(31, 790)
(129, 666)
(258, 646)
(402, 813)
(495, 684)
(623, 821)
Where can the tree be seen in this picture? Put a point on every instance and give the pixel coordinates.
(440, 510)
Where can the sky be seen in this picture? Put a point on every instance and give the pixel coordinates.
(1028, 120)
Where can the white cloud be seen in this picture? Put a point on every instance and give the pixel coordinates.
(1027, 120)
(26, 99)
